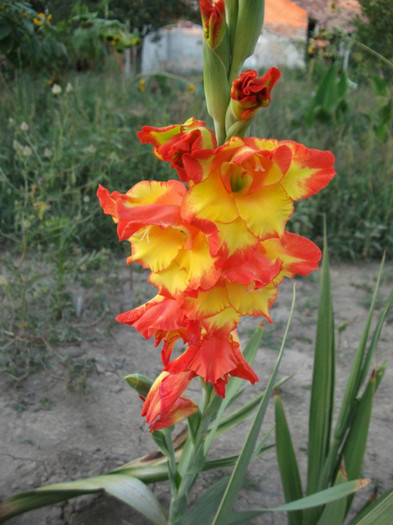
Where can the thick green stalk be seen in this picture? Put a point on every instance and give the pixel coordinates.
(193, 457)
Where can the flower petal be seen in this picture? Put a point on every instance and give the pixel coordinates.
(266, 211)
(217, 355)
(160, 313)
(155, 247)
(251, 266)
(236, 236)
(252, 302)
(163, 406)
(310, 171)
(209, 200)
(299, 255)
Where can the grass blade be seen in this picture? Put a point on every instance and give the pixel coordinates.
(359, 367)
(205, 505)
(287, 463)
(322, 393)
(244, 412)
(375, 337)
(355, 444)
(380, 512)
(318, 499)
(335, 511)
(236, 480)
(355, 382)
(126, 488)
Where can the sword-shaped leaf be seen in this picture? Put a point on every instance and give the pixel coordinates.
(126, 488)
(287, 462)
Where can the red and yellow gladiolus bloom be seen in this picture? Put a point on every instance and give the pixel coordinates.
(297, 255)
(249, 93)
(308, 171)
(253, 182)
(213, 21)
(172, 142)
(164, 405)
(217, 250)
(216, 356)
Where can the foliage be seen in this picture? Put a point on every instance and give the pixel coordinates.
(335, 448)
(375, 29)
(83, 39)
(89, 36)
(146, 17)
(330, 100)
(27, 37)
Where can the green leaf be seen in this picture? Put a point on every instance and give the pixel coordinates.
(236, 480)
(287, 463)
(140, 383)
(322, 390)
(161, 441)
(357, 376)
(378, 513)
(379, 84)
(334, 512)
(217, 90)
(5, 30)
(328, 90)
(250, 15)
(355, 444)
(342, 85)
(315, 500)
(375, 338)
(126, 488)
(244, 412)
(205, 505)
(231, 11)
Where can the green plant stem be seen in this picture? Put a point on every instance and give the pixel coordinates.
(172, 469)
(371, 51)
(193, 457)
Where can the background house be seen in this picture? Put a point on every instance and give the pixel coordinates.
(288, 25)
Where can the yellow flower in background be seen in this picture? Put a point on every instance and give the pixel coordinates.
(40, 19)
(41, 207)
(191, 88)
(142, 85)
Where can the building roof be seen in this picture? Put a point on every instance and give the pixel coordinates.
(285, 18)
(330, 13)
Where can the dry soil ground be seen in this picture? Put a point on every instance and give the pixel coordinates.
(58, 434)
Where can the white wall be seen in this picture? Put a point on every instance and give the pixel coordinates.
(179, 50)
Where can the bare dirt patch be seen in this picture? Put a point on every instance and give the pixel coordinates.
(51, 433)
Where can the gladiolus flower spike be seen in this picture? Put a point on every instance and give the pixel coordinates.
(216, 246)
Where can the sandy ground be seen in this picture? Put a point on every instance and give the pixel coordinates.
(61, 434)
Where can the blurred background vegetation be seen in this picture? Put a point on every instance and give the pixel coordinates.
(68, 122)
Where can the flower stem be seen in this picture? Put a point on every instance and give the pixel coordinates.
(193, 456)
